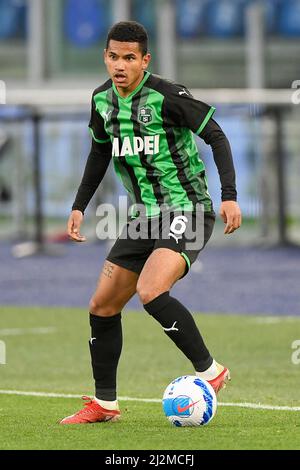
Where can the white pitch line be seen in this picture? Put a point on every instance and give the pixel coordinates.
(43, 330)
(260, 406)
(270, 320)
(150, 400)
(38, 394)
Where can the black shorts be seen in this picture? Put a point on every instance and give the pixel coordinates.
(186, 236)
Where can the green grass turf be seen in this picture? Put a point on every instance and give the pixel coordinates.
(259, 356)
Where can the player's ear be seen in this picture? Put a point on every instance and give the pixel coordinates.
(104, 55)
(146, 60)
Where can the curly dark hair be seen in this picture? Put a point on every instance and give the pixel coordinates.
(129, 31)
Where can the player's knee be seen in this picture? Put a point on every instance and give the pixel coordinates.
(97, 307)
(147, 293)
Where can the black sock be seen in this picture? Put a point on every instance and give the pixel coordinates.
(180, 326)
(105, 348)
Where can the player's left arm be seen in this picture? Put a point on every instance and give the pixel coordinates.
(230, 211)
(184, 110)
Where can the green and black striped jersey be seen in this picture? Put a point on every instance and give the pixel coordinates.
(153, 147)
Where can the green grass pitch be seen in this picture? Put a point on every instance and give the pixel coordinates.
(257, 350)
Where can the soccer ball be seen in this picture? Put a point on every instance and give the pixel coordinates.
(189, 401)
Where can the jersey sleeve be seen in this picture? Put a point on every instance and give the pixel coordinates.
(183, 110)
(96, 125)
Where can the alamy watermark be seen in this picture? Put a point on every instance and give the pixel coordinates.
(2, 352)
(296, 95)
(295, 358)
(145, 222)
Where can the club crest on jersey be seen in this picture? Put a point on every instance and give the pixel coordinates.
(145, 115)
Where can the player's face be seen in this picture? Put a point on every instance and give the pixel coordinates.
(125, 65)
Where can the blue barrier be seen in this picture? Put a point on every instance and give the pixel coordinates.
(272, 12)
(86, 22)
(144, 12)
(225, 18)
(289, 20)
(190, 18)
(12, 19)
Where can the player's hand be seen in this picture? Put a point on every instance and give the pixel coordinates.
(74, 224)
(231, 215)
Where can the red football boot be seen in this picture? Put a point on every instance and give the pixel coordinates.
(221, 380)
(92, 412)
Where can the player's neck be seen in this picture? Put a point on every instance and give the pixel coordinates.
(124, 92)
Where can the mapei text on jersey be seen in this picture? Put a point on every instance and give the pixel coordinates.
(149, 145)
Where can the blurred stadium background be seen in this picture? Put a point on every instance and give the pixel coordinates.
(242, 56)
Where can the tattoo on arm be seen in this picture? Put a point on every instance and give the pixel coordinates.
(108, 269)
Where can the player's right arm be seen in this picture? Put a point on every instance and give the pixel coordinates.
(95, 169)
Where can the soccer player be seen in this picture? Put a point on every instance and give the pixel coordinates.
(145, 124)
